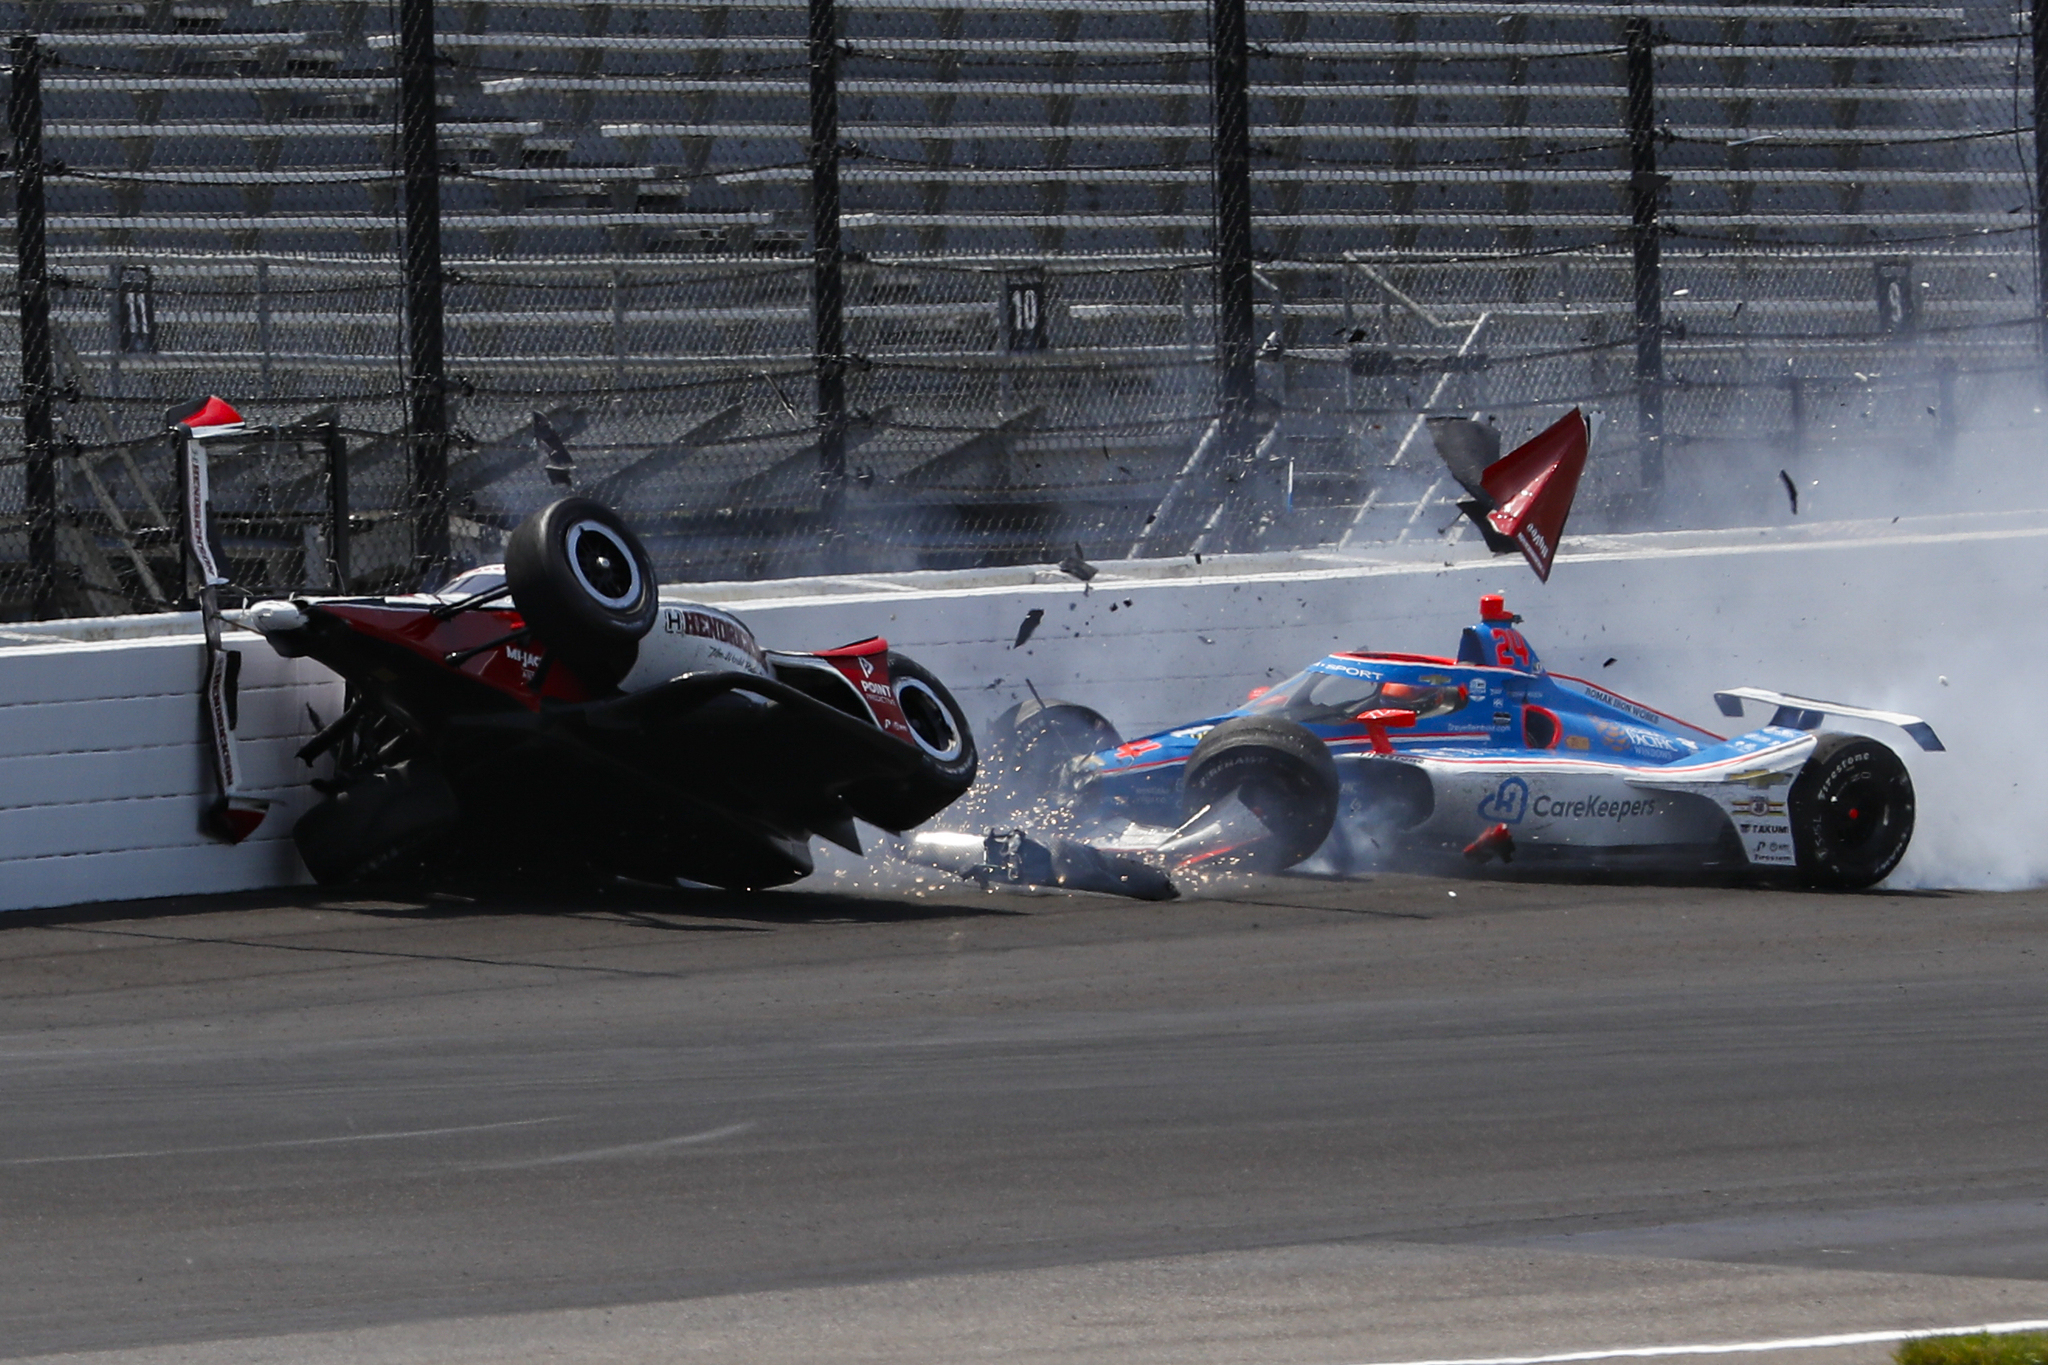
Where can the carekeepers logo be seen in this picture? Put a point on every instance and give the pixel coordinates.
(1508, 803)
(1594, 808)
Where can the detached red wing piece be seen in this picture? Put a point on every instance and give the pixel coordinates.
(1494, 842)
(1532, 489)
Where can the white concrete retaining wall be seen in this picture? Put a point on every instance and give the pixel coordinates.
(102, 774)
(104, 771)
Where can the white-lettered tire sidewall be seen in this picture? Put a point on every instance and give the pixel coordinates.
(1837, 761)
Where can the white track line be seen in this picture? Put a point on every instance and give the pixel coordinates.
(1740, 1347)
(659, 1147)
(272, 1146)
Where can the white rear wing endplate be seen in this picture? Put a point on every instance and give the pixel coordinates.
(1804, 713)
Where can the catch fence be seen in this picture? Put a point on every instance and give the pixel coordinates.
(877, 284)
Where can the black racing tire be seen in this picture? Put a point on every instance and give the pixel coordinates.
(1852, 813)
(1031, 744)
(936, 723)
(381, 827)
(1278, 769)
(943, 739)
(585, 584)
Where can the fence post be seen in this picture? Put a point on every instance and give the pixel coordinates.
(427, 391)
(1643, 185)
(336, 449)
(1236, 319)
(2040, 36)
(32, 283)
(828, 351)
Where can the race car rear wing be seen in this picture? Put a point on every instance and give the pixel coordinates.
(1804, 713)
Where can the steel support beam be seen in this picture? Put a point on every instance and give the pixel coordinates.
(2040, 43)
(1237, 347)
(1644, 187)
(38, 370)
(828, 300)
(419, 150)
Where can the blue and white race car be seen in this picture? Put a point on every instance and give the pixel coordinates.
(1419, 761)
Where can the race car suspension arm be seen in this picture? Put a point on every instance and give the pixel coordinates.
(448, 610)
(331, 735)
(456, 658)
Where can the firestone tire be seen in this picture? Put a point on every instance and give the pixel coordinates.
(380, 827)
(585, 584)
(1281, 771)
(1031, 744)
(936, 723)
(942, 737)
(1852, 813)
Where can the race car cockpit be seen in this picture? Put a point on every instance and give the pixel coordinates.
(1331, 693)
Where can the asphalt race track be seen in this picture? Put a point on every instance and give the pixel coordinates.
(1308, 1121)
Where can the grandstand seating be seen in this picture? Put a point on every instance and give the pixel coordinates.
(626, 235)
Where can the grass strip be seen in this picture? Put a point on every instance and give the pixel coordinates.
(1975, 1348)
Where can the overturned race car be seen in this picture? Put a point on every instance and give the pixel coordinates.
(555, 714)
(1432, 763)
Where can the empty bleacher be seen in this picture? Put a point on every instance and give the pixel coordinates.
(1441, 204)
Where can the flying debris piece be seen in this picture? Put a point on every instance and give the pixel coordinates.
(1518, 501)
(1495, 842)
(1791, 490)
(555, 456)
(1608, 664)
(1076, 565)
(1031, 620)
(1467, 445)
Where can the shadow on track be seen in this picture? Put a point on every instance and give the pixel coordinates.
(664, 909)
